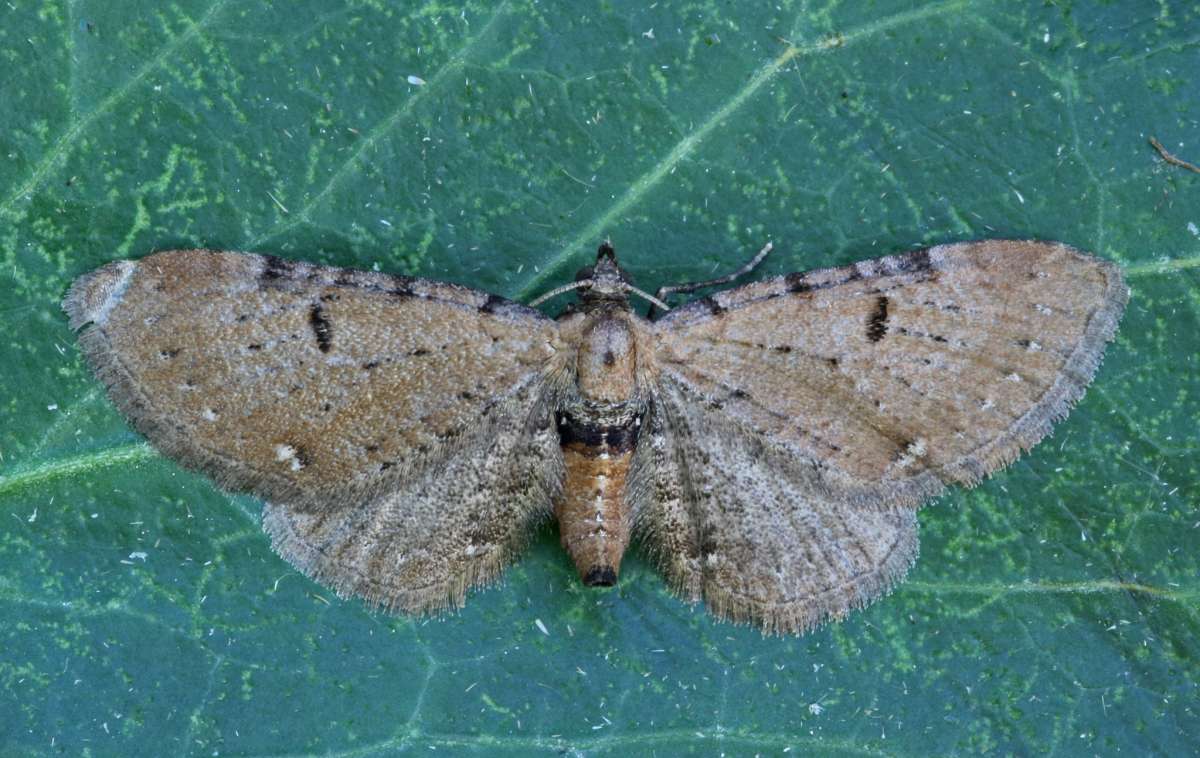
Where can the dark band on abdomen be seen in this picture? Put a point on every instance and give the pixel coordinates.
(592, 437)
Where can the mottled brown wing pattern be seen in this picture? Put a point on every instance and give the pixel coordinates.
(730, 522)
(899, 374)
(853, 394)
(333, 394)
(403, 431)
(419, 547)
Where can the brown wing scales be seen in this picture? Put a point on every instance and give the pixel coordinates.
(403, 430)
(983, 346)
(733, 523)
(803, 417)
(301, 383)
(399, 427)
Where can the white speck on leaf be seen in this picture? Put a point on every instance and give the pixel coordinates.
(416, 81)
(541, 627)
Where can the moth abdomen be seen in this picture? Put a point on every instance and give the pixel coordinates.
(593, 517)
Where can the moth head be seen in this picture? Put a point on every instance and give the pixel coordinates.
(602, 282)
(606, 279)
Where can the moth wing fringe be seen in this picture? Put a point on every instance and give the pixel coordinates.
(1054, 406)
(801, 616)
(430, 600)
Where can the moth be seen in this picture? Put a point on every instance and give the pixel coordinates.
(768, 445)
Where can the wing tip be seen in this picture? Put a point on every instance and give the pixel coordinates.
(1072, 382)
(92, 297)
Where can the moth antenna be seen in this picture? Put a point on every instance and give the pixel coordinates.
(558, 291)
(648, 297)
(693, 286)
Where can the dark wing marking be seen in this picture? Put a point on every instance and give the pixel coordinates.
(894, 376)
(398, 426)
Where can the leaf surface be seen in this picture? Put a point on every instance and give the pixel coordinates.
(1054, 608)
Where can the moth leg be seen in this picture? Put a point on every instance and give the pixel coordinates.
(726, 279)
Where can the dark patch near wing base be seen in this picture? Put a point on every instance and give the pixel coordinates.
(877, 322)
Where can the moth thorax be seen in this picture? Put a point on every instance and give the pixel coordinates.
(605, 365)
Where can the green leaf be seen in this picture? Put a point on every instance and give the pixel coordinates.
(1054, 608)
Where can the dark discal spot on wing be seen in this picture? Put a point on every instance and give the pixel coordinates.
(322, 328)
(877, 321)
(589, 437)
